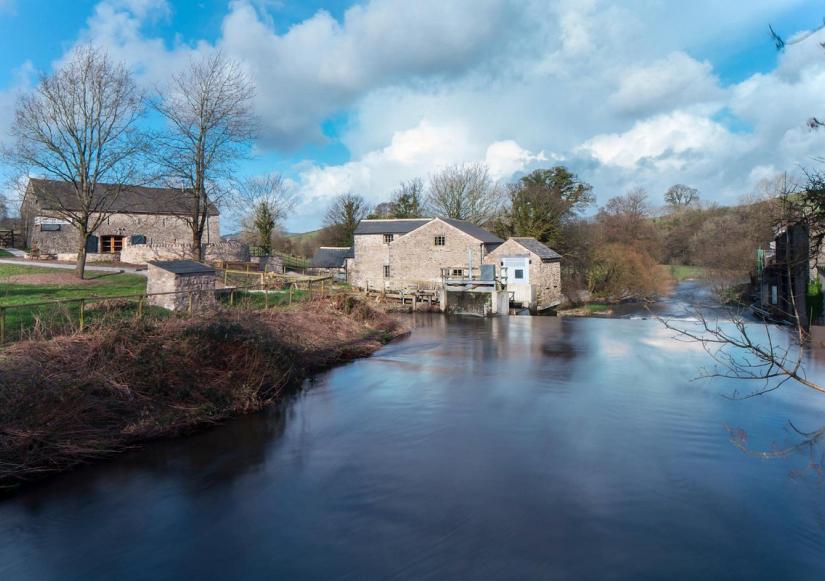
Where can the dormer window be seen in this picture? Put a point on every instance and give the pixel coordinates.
(388, 238)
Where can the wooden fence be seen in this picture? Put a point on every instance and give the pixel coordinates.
(74, 314)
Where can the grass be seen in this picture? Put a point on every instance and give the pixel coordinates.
(259, 300)
(682, 272)
(109, 285)
(597, 307)
(5, 254)
(17, 296)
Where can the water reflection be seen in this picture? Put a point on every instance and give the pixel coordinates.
(507, 448)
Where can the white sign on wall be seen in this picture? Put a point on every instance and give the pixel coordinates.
(39, 220)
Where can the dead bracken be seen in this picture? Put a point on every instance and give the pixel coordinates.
(69, 400)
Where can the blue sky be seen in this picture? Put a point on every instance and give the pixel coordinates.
(360, 96)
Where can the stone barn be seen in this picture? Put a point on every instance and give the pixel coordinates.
(533, 271)
(191, 282)
(142, 222)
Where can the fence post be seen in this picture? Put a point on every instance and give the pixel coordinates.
(225, 276)
(266, 298)
(140, 307)
(290, 293)
(232, 298)
(2, 325)
(82, 314)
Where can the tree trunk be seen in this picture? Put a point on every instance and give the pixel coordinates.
(197, 247)
(80, 268)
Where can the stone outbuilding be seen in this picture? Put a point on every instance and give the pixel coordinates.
(190, 284)
(332, 260)
(533, 271)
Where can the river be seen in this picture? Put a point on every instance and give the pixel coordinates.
(506, 448)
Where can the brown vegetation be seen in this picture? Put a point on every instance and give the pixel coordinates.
(67, 400)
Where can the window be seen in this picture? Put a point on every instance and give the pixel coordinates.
(457, 272)
(774, 295)
(386, 271)
(111, 244)
(388, 238)
(519, 274)
(440, 240)
(49, 227)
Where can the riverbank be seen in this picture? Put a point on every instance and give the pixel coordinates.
(70, 400)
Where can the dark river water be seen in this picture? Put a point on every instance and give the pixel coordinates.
(507, 448)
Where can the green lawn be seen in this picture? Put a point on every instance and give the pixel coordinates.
(107, 285)
(682, 272)
(16, 296)
(597, 307)
(4, 254)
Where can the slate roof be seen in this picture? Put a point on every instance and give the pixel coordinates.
(475, 231)
(58, 195)
(183, 266)
(406, 226)
(545, 253)
(390, 226)
(331, 257)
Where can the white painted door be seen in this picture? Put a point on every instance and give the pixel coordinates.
(518, 272)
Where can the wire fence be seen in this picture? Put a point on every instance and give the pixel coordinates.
(66, 316)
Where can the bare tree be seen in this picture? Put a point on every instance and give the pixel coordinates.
(208, 109)
(78, 126)
(464, 192)
(265, 201)
(343, 216)
(681, 196)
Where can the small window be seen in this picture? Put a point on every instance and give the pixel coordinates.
(386, 271)
(457, 272)
(388, 238)
(49, 227)
(519, 274)
(774, 295)
(440, 240)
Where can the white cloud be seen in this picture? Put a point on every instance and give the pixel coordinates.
(673, 82)
(616, 90)
(505, 158)
(663, 139)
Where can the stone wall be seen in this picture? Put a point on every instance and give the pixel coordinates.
(200, 286)
(143, 253)
(269, 263)
(229, 250)
(413, 258)
(158, 230)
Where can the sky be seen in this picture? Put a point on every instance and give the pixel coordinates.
(359, 96)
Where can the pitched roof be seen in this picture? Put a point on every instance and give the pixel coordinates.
(397, 226)
(536, 247)
(405, 226)
(59, 195)
(182, 266)
(331, 256)
(476, 232)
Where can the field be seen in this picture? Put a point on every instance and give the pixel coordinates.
(682, 272)
(25, 285)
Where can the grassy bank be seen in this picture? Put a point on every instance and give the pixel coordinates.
(680, 272)
(69, 400)
(5, 254)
